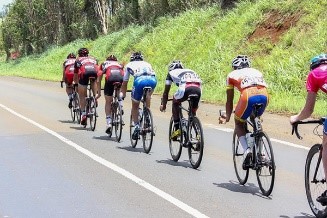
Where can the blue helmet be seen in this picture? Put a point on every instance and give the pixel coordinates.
(317, 60)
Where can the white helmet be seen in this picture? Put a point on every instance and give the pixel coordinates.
(176, 64)
(241, 61)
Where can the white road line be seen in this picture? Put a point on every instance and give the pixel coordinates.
(271, 139)
(114, 167)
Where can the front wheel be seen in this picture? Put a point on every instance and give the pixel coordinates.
(266, 164)
(92, 113)
(175, 146)
(118, 122)
(147, 130)
(241, 174)
(196, 143)
(314, 180)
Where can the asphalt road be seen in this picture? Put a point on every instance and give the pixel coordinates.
(51, 167)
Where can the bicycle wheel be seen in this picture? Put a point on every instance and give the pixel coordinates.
(266, 164)
(147, 130)
(315, 185)
(118, 122)
(92, 113)
(195, 150)
(76, 107)
(241, 174)
(175, 146)
(131, 130)
(72, 110)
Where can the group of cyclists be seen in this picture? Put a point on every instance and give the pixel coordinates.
(247, 80)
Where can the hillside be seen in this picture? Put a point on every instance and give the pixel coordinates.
(280, 36)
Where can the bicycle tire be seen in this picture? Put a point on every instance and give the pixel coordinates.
(314, 189)
(241, 174)
(195, 150)
(76, 105)
(175, 147)
(92, 113)
(147, 130)
(131, 130)
(266, 168)
(72, 112)
(118, 122)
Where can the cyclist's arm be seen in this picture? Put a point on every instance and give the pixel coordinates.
(229, 103)
(165, 96)
(63, 74)
(124, 88)
(307, 109)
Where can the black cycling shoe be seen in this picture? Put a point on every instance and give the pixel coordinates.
(135, 134)
(108, 130)
(322, 199)
(247, 159)
(70, 105)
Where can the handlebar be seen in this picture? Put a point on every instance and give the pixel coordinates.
(296, 124)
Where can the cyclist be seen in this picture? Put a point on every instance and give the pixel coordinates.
(188, 83)
(86, 69)
(317, 79)
(144, 76)
(114, 72)
(67, 76)
(252, 87)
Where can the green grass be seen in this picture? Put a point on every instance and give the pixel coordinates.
(206, 40)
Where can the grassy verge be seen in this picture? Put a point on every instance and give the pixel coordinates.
(206, 40)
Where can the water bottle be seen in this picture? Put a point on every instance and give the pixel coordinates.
(249, 139)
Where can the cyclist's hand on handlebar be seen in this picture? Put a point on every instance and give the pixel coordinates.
(222, 117)
(61, 83)
(293, 119)
(162, 108)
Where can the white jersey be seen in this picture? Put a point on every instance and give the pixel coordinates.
(182, 76)
(138, 68)
(245, 77)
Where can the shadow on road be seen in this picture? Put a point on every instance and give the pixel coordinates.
(66, 121)
(300, 216)
(185, 163)
(248, 188)
(79, 128)
(129, 148)
(105, 138)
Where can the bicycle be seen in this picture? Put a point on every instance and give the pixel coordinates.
(75, 111)
(314, 176)
(90, 108)
(191, 136)
(116, 113)
(262, 160)
(146, 124)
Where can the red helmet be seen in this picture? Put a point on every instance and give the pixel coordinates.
(71, 55)
(83, 52)
(111, 58)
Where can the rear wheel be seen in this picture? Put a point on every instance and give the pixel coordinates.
(76, 108)
(241, 174)
(195, 149)
(92, 114)
(175, 146)
(131, 130)
(118, 122)
(266, 164)
(147, 130)
(315, 185)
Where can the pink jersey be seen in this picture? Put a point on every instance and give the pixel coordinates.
(317, 79)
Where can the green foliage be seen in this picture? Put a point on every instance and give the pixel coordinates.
(206, 40)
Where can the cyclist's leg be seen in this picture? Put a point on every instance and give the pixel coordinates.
(82, 92)
(136, 95)
(180, 96)
(323, 198)
(150, 81)
(194, 89)
(69, 87)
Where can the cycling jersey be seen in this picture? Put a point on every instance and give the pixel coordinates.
(86, 67)
(252, 86)
(317, 79)
(68, 66)
(143, 75)
(114, 73)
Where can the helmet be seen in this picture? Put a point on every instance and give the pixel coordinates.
(71, 55)
(83, 52)
(176, 64)
(317, 60)
(241, 61)
(111, 58)
(137, 56)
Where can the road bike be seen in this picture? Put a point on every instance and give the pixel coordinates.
(191, 134)
(146, 124)
(314, 176)
(116, 114)
(262, 159)
(75, 111)
(90, 108)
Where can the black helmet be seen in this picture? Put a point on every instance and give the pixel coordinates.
(241, 61)
(83, 52)
(111, 58)
(71, 55)
(317, 60)
(176, 64)
(137, 56)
